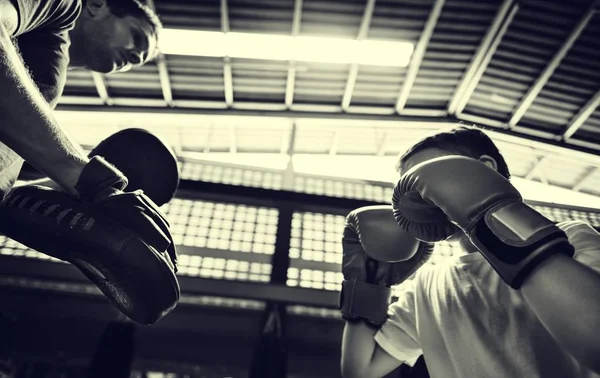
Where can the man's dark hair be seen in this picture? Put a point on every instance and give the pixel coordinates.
(140, 10)
(463, 140)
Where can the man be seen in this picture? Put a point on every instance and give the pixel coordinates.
(106, 36)
(469, 318)
(37, 41)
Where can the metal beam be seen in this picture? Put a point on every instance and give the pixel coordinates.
(211, 129)
(335, 143)
(149, 106)
(363, 32)
(57, 272)
(290, 85)
(227, 70)
(288, 147)
(482, 58)
(537, 170)
(577, 187)
(582, 116)
(382, 145)
(165, 80)
(493, 127)
(232, 140)
(291, 77)
(163, 70)
(291, 146)
(350, 84)
(101, 88)
(541, 81)
(418, 54)
(285, 141)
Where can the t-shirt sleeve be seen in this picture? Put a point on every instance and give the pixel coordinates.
(45, 48)
(586, 241)
(398, 335)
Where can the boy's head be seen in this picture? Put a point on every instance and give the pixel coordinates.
(462, 140)
(114, 35)
(465, 141)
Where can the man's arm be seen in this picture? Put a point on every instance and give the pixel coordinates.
(28, 126)
(563, 293)
(362, 357)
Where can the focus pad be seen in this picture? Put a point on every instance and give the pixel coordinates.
(135, 277)
(148, 162)
(422, 219)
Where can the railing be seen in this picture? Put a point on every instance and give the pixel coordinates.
(248, 246)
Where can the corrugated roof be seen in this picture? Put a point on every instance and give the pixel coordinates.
(528, 68)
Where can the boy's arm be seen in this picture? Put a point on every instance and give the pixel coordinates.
(563, 293)
(362, 357)
(376, 256)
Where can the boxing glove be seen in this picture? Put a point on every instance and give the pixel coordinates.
(512, 236)
(377, 254)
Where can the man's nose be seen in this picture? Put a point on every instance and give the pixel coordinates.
(135, 57)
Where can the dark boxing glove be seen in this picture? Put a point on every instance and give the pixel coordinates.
(377, 254)
(512, 236)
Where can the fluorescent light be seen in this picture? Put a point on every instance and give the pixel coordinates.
(281, 47)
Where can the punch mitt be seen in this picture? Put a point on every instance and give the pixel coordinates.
(147, 162)
(129, 264)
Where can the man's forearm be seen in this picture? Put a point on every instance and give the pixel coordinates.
(563, 293)
(28, 126)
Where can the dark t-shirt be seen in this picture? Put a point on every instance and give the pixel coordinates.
(42, 37)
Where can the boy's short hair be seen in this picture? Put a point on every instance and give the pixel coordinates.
(463, 140)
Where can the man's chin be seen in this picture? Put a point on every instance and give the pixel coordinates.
(102, 70)
(103, 67)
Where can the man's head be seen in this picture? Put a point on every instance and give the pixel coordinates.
(114, 35)
(465, 141)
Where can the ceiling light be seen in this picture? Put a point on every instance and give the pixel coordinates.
(281, 47)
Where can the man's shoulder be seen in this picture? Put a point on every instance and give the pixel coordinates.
(67, 12)
(59, 15)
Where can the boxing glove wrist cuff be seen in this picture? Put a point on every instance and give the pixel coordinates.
(363, 301)
(515, 239)
(97, 176)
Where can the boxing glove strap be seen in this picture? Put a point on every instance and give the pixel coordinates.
(97, 176)
(361, 300)
(515, 239)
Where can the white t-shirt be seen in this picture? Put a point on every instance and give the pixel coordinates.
(467, 322)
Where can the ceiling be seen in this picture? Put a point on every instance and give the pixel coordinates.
(527, 68)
